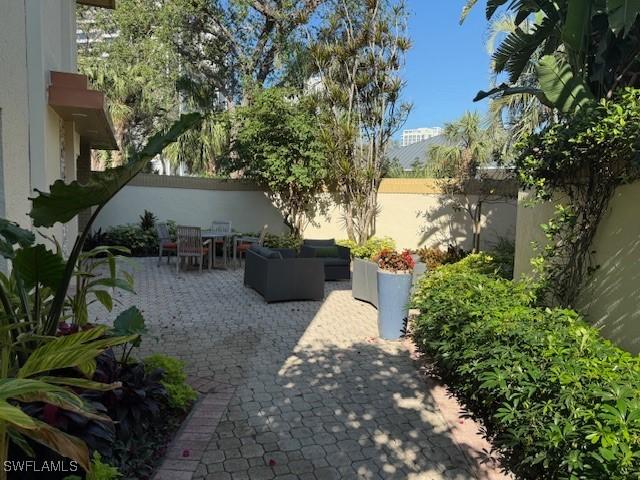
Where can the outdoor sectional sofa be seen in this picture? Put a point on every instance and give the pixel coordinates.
(336, 258)
(279, 275)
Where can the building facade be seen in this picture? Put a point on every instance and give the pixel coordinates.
(50, 119)
(416, 135)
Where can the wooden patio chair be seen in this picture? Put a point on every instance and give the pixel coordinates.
(165, 243)
(190, 245)
(221, 226)
(245, 243)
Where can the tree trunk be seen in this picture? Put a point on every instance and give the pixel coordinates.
(477, 225)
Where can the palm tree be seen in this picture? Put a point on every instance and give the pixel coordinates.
(468, 145)
(521, 112)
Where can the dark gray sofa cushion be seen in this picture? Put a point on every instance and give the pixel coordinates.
(335, 268)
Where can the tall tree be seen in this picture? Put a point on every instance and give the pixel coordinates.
(246, 40)
(122, 53)
(359, 53)
(585, 55)
(579, 49)
(470, 144)
(279, 148)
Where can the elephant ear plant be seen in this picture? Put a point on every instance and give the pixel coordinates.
(34, 363)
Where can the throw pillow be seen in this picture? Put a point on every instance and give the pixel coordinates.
(327, 252)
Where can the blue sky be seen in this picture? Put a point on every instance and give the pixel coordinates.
(447, 63)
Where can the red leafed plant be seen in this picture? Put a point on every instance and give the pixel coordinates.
(394, 261)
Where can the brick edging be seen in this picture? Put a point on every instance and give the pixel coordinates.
(464, 431)
(187, 448)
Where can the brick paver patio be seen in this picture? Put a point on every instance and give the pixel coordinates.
(298, 389)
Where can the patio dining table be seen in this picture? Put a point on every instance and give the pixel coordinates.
(226, 236)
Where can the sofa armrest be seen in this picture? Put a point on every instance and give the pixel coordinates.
(344, 252)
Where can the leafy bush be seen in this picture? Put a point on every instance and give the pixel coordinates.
(393, 261)
(557, 400)
(140, 240)
(180, 394)
(137, 403)
(503, 253)
(99, 470)
(147, 221)
(371, 247)
(287, 240)
(433, 257)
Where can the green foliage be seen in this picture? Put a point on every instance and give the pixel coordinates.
(181, 395)
(279, 148)
(147, 220)
(33, 299)
(557, 400)
(469, 145)
(370, 248)
(139, 46)
(359, 54)
(96, 279)
(580, 49)
(139, 242)
(433, 257)
(599, 143)
(99, 470)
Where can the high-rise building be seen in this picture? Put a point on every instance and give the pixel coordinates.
(418, 134)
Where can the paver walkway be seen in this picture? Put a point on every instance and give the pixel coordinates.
(311, 394)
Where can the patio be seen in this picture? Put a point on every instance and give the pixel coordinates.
(304, 389)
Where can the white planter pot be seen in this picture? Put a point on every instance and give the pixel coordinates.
(393, 303)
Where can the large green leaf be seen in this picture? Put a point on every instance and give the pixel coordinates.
(78, 350)
(15, 417)
(130, 322)
(12, 234)
(64, 444)
(622, 14)
(515, 52)
(504, 90)
(64, 201)
(565, 91)
(576, 28)
(39, 266)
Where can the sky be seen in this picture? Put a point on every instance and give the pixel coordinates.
(447, 63)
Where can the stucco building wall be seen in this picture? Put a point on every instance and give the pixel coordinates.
(36, 146)
(411, 212)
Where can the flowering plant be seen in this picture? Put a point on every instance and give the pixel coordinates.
(394, 261)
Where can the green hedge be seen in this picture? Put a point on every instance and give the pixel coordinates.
(558, 401)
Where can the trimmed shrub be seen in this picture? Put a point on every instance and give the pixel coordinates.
(180, 394)
(558, 401)
(372, 247)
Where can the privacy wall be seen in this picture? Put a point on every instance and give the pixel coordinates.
(412, 211)
(611, 298)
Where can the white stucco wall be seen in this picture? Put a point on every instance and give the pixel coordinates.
(411, 219)
(37, 37)
(610, 299)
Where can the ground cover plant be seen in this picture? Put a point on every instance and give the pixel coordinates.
(48, 371)
(557, 400)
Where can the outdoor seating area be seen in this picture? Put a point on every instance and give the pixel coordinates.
(302, 390)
